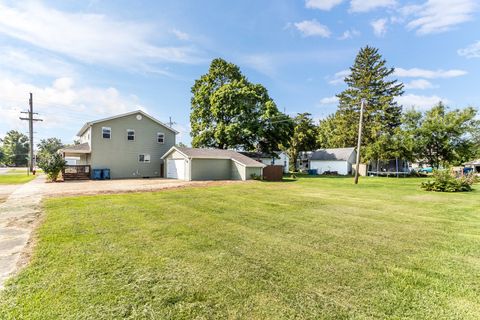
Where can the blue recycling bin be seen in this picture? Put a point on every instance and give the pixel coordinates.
(312, 172)
(97, 174)
(106, 174)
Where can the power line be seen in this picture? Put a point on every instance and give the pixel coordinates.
(30, 120)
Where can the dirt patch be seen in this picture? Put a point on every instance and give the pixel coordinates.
(91, 187)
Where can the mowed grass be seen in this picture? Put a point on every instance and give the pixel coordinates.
(15, 177)
(309, 249)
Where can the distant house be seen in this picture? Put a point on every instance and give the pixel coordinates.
(339, 160)
(474, 165)
(209, 164)
(129, 145)
(280, 158)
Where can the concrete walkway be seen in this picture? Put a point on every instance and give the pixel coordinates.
(18, 216)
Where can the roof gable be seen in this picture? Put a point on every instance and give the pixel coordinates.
(90, 123)
(337, 154)
(201, 153)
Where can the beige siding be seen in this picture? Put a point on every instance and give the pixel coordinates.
(84, 158)
(211, 169)
(121, 156)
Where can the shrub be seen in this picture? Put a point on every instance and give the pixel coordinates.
(52, 164)
(444, 181)
(255, 176)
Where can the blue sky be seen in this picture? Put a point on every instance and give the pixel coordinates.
(88, 60)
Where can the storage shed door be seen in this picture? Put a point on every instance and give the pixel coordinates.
(176, 169)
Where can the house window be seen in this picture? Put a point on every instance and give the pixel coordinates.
(144, 158)
(130, 135)
(106, 132)
(160, 137)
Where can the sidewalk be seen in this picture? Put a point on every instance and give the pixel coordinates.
(18, 215)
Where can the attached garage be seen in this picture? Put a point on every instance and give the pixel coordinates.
(209, 164)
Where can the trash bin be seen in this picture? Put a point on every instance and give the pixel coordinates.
(106, 174)
(97, 174)
(312, 172)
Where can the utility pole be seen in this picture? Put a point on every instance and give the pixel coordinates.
(170, 122)
(30, 120)
(359, 143)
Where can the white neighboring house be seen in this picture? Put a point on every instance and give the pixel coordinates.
(339, 160)
(281, 158)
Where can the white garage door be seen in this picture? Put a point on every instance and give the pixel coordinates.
(176, 169)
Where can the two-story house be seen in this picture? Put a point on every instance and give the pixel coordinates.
(130, 145)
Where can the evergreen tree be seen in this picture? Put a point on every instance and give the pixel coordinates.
(370, 80)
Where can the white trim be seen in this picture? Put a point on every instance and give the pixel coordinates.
(109, 132)
(145, 156)
(89, 124)
(163, 137)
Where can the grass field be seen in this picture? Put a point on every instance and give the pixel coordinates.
(15, 177)
(309, 249)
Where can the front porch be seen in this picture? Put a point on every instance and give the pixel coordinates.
(78, 162)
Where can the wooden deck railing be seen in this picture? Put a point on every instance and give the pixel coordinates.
(76, 172)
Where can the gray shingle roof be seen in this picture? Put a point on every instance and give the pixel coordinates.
(77, 148)
(219, 154)
(338, 154)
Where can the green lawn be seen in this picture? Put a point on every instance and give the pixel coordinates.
(15, 178)
(309, 249)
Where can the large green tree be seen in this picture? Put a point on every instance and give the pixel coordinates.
(304, 137)
(49, 146)
(369, 79)
(443, 137)
(228, 111)
(15, 148)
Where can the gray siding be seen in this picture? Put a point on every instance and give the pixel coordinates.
(211, 169)
(121, 156)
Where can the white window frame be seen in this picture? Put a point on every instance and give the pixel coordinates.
(163, 137)
(146, 158)
(129, 131)
(109, 132)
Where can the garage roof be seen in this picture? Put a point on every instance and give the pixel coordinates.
(337, 154)
(201, 153)
(77, 148)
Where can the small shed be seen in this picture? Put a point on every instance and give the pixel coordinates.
(474, 165)
(209, 164)
(339, 160)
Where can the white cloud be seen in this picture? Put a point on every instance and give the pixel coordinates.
(339, 77)
(180, 34)
(63, 104)
(472, 51)
(379, 27)
(263, 63)
(435, 16)
(310, 28)
(322, 4)
(348, 34)
(90, 38)
(333, 100)
(369, 5)
(419, 102)
(33, 64)
(419, 84)
(428, 74)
